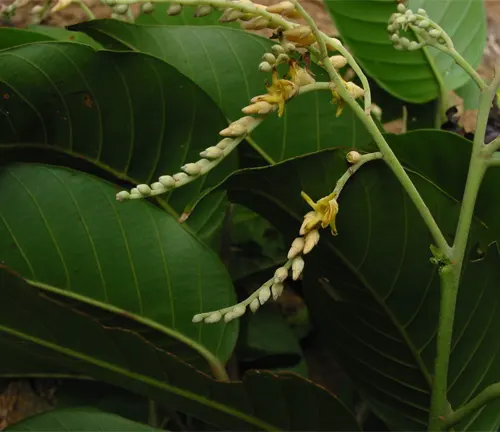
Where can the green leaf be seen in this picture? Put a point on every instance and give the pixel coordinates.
(64, 231)
(256, 245)
(131, 116)
(262, 401)
(62, 34)
(82, 419)
(414, 76)
(372, 288)
(10, 37)
(224, 62)
(268, 342)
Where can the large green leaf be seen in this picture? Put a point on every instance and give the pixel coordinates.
(132, 116)
(79, 419)
(45, 327)
(414, 76)
(373, 289)
(64, 231)
(224, 62)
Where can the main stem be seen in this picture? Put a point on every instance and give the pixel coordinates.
(451, 271)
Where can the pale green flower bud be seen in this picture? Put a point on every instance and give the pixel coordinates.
(197, 318)
(424, 24)
(311, 240)
(282, 58)
(180, 177)
(422, 12)
(395, 38)
(212, 153)
(237, 311)
(257, 23)
(413, 46)
(120, 9)
(280, 275)
(297, 267)
(157, 186)
(289, 47)
(167, 181)
(434, 33)
(231, 15)
(277, 290)
(213, 318)
(147, 8)
(265, 67)
(401, 20)
(277, 50)
(264, 294)
(144, 189)
(401, 8)
(191, 169)
(224, 143)
(202, 164)
(254, 305)
(202, 10)
(174, 9)
(296, 248)
(122, 196)
(338, 61)
(405, 42)
(269, 58)
(353, 157)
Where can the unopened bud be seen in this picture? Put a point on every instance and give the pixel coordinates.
(280, 275)
(395, 38)
(297, 267)
(353, 157)
(282, 8)
(422, 12)
(277, 290)
(257, 23)
(212, 153)
(191, 169)
(264, 294)
(296, 248)
(254, 305)
(401, 20)
(147, 8)
(144, 189)
(265, 67)
(338, 61)
(277, 50)
(435, 33)
(269, 58)
(301, 35)
(222, 144)
(401, 8)
(311, 240)
(157, 186)
(197, 318)
(261, 107)
(180, 177)
(236, 312)
(424, 24)
(405, 42)
(202, 11)
(167, 181)
(36, 10)
(135, 192)
(230, 15)
(235, 129)
(354, 90)
(174, 9)
(202, 164)
(121, 9)
(413, 46)
(289, 47)
(122, 196)
(282, 58)
(213, 318)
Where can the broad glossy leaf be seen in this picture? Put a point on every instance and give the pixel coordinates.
(268, 342)
(223, 62)
(372, 288)
(64, 231)
(413, 76)
(130, 115)
(62, 34)
(263, 401)
(256, 246)
(10, 37)
(79, 419)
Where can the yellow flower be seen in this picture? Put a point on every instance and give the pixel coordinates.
(299, 75)
(324, 213)
(278, 93)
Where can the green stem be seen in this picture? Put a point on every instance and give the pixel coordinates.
(451, 272)
(152, 414)
(489, 394)
(352, 170)
(86, 9)
(463, 64)
(389, 156)
(439, 401)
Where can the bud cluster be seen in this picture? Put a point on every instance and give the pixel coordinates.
(210, 157)
(273, 287)
(430, 33)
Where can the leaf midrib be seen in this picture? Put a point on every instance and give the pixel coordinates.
(215, 365)
(139, 377)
